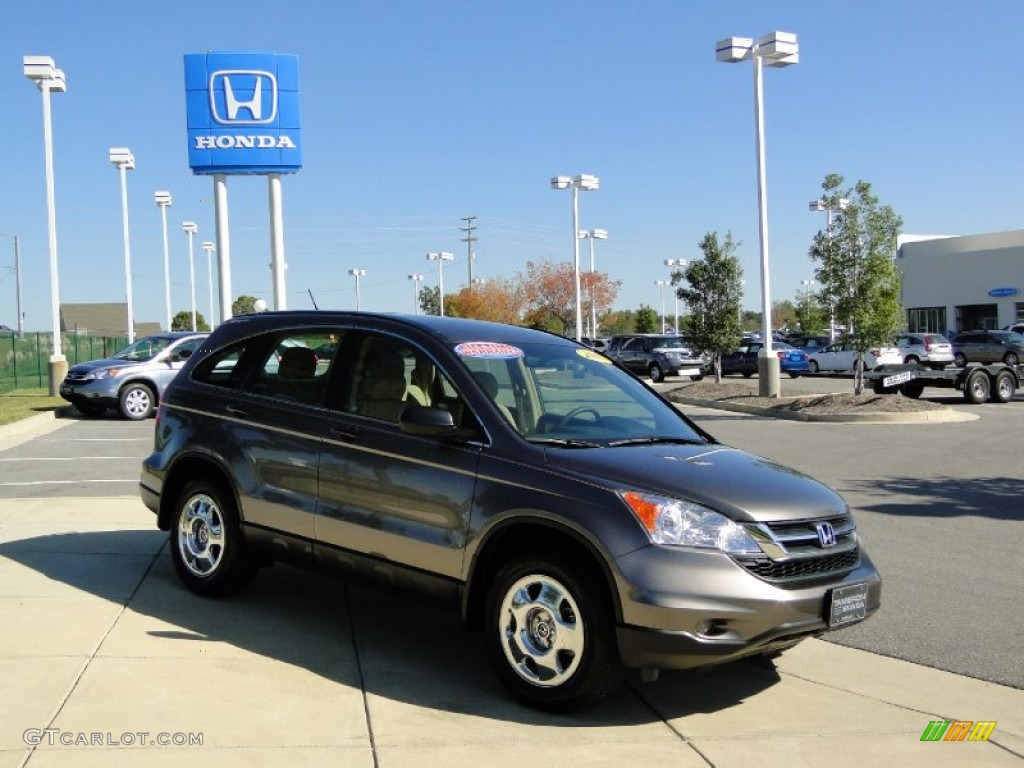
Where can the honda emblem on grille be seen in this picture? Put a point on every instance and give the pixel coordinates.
(826, 534)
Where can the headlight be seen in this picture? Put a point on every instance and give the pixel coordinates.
(685, 524)
(104, 373)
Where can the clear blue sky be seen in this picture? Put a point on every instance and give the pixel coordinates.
(418, 113)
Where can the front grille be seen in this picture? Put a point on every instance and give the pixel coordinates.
(806, 567)
(793, 551)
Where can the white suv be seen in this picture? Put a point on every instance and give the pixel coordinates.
(931, 349)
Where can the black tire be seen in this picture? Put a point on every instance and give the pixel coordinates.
(136, 401)
(960, 360)
(1011, 359)
(794, 374)
(567, 657)
(1005, 386)
(912, 390)
(812, 366)
(698, 377)
(912, 360)
(90, 409)
(655, 372)
(748, 374)
(977, 388)
(207, 546)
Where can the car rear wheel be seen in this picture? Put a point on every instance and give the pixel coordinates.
(912, 360)
(137, 402)
(656, 373)
(978, 387)
(1011, 359)
(960, 360)
(550, 634)
(812, 367)
(207, 548)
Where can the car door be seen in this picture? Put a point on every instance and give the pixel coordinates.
(632, 356)
(392, 504)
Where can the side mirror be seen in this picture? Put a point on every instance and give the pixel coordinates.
(426, 421)
(184, 354)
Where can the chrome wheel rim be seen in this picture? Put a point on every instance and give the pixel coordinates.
(201, 535)
(542, 631)
(1004, 386)
(137, 402)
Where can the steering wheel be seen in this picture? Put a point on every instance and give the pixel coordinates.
(576, 412)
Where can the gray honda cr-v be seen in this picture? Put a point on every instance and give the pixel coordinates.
(571, 514)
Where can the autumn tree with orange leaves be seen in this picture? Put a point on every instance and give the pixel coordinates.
(550, 290)
(498, 300)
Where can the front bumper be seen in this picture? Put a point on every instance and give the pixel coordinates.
(99, 392)
(701, 608)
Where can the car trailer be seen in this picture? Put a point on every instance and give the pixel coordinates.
(979, 383)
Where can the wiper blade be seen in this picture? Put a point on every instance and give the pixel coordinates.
(563, 442)
(654, 440)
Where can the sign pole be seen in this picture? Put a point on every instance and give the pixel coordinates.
(277, 264)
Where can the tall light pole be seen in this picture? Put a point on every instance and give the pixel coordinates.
(17, 282)
(209, 246)
(670, 263)
(163, 199)
(592, 235)
(588, 183)
(807, 295)
(817, 206)
(48, 78)
(777, 49)
(661, 284)
(440, 257)
(416, 280)
(124, 161)
(358, 273)
(190, 228)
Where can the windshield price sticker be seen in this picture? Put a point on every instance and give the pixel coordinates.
(488, 349)
(590, 354)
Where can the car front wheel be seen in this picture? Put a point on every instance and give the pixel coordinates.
(960, 360)
(137, 402)
(206, 541)
(1011, 359)
(549, 634)
(656, 373)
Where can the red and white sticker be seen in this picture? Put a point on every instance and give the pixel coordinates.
(488, 349)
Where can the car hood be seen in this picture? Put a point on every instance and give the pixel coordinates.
(740, 485)
(107, 362)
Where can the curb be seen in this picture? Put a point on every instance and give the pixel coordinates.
(20, 431)
(944, 416)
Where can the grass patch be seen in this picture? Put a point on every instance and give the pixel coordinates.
(22, 403)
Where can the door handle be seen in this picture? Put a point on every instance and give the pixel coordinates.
(347, 434)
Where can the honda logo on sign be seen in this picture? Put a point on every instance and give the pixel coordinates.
(243, 97)
(826, 534)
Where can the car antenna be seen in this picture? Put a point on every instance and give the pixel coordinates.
(310, 291)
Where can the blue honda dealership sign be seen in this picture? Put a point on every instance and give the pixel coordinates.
(243, 113)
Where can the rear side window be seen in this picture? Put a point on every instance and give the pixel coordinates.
(292, 370)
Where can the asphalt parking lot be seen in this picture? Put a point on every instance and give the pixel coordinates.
(98, 636)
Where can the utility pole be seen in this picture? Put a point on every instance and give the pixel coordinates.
(469, 240)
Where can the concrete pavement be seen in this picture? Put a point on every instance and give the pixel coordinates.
(100, 644)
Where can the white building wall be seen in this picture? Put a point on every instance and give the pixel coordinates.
(954, 272)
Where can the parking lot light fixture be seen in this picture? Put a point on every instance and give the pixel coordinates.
(661, 285)
(776, 49)
(588, 183)
(49, 79)
(210, 247)
(358, 273)
(817, 206)
(416, 281)
(124, 161)
(190, 228)
(592, 235)
(671, 264)
(163, 200)
(440, 257)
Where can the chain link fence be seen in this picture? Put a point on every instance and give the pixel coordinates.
(24, 360)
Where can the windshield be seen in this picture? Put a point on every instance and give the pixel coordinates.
(562, 394)
(144, 349)
(670, 342)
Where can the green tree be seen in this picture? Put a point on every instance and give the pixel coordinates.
(646, 320)
(430, 300)
(183, 322)
(713, 293)
(243, 305)
(855, 266)
(619, 321)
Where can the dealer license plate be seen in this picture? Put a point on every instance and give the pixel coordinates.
(848, 604)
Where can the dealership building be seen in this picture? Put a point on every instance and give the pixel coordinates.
(974, 282)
